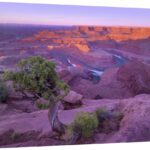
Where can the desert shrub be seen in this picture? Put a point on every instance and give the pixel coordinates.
(85, 124)
(102, 115)
(108, 121)
(37, 76)
(3, 92)
(42, 105)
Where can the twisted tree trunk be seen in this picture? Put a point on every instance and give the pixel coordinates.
(56, 125)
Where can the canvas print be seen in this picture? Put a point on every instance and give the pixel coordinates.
(73, 75)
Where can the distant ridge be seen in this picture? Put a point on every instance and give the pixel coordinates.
(72, 26)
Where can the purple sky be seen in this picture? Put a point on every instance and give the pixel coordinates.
(72, 15)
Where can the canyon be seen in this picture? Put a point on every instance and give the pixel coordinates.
(105, 67)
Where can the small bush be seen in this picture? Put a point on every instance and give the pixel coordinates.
(108, 121)
(103, 114)
(3, 92)
(85, 123)
(42, 105)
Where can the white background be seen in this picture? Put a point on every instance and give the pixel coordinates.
(113, 3)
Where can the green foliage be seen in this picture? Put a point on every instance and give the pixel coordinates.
(3, 92)
(101, 120)
(37, 76)
(100, 111)
(108, 121)
(8, 75)
(85, 123)
(102, 115)
(42, 105)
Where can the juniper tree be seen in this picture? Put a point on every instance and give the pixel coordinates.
(37, 76)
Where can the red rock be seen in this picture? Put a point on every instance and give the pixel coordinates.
(66, 117)
(135, 76)
(134, 126)
(127, 81)
(108, 87)
(25, 122)
(65, 75)
(73, 98)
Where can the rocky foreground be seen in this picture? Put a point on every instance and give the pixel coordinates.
(33, 129)
(126, 91)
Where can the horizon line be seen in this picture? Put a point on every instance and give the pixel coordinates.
(84, 25)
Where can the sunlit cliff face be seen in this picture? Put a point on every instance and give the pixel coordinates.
(80, 36)
(115, 33)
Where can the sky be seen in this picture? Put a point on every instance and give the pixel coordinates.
(46, 14)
